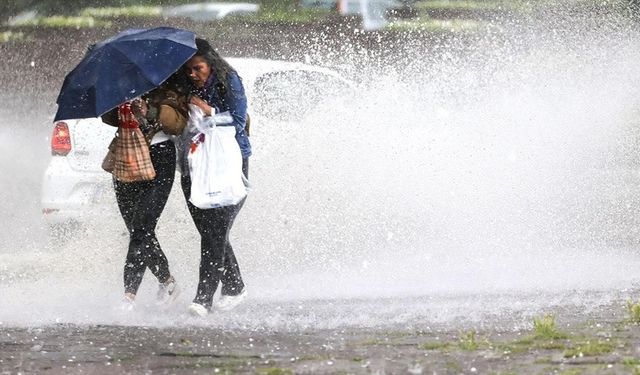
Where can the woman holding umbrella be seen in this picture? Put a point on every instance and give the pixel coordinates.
(118, 70)
(160, 114)
(215, 88)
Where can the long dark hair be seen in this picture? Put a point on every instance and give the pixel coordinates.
(179, 83)
(218, 65)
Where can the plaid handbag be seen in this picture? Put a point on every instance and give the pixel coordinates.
(132, 157)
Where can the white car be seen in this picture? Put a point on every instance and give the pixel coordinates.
(74, 184)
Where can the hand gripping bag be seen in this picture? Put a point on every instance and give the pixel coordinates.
(132, 159)
(215, 163)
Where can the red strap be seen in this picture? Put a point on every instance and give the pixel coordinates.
(126, 118)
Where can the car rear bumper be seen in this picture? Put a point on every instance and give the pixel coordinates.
(68, 194)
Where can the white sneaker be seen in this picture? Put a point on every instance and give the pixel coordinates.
(168, 292)
(226, 303)
(198, 310)
(126, 305)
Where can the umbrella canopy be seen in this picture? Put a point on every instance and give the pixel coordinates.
(121, 68)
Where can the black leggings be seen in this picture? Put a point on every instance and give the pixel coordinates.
(141, 204)
(217, 260)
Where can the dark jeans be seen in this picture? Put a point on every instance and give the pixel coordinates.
(217, 260)
(141, 204)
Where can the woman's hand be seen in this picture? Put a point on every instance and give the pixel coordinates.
(139, 107)
(206, 108)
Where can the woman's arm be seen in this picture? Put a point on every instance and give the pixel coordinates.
(236, 101)
(172, 120)
(170, 109)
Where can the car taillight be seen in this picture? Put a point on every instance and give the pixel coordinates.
(60, 140)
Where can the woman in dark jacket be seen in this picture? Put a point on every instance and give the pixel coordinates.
(161, 113)
(215, 88)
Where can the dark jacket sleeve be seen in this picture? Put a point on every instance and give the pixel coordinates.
(236, 101)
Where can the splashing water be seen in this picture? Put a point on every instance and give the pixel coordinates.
(505, 166)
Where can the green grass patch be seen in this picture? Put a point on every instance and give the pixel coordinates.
(77, 22)
(572, 371)
(11, 36)
(274, 371)
(286, 12)
(545, 336)
(630, 361)
(543, 360)
(217, 367)
(633, 309)
(589, 349)
(465, 5)
(435, 345)
(545, 328)
(115, 12)
(632, 364)
(312, 358)
(442, 26)
(530, 343)
(550, 345)
(517, 5)
(513, 348)
(288, 15)
(527, 340)
(468, 341)
(374, 342)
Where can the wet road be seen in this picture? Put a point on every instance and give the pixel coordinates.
(498, 343)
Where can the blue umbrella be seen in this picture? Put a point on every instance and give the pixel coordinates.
(121, 68)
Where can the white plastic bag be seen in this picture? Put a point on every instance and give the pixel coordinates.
(215, 163)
